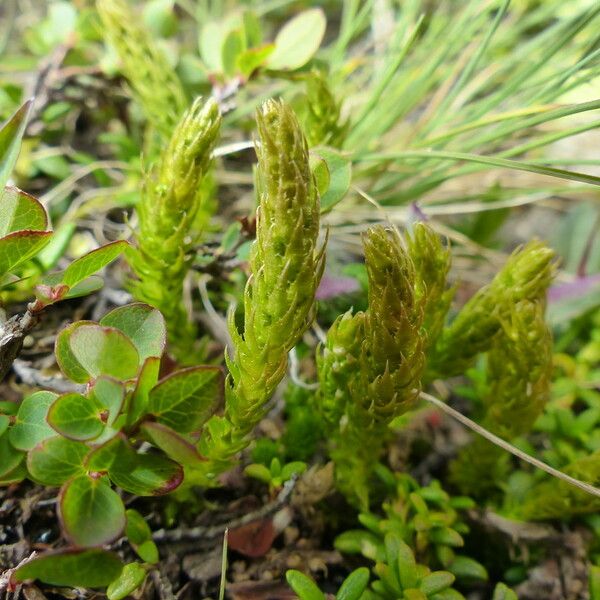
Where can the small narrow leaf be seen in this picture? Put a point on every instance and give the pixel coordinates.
(354, 585)
(91, 513)
(147, 379)
(436, 582)
(109, 394)
(131, 578)
(304, 586)
(92, 262)
(172, 444)
(87, 569)
(11, 135)
(139, 536)
(10, 458)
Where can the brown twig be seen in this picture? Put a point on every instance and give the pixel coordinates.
(215, 531)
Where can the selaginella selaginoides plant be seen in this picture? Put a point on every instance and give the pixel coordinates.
(286, 264)
(172, 195)
(153, 81)
(518, 373)
(371, 364)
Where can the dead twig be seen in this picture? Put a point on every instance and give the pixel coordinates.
(193, 533)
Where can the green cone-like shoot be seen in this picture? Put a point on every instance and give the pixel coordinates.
(286, 265)
(322, 119)
(171, 198)
(392, 358)
(152, 79)
(519, 368)
(432, 263)
(371, 365)
(526, 275)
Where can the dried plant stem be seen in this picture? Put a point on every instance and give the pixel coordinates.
(582, 485)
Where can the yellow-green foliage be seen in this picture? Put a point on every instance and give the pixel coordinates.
(171, 198)
(322, 113)
(556, 499)
(525, 276)
(519, 368)
(152, 79)
(286, 265)
(371, 365)
(432, 263)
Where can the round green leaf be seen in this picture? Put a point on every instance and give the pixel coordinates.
(187, 398)
(30, 426)
(10, 457)
(109, 394)
(131, 578)
(73, 568)
(19, 211)
(15, 476)
(86, 350)
(91, 513)
(4, 421)
(298, 40)
(77, 417)
(55, 460)
(143, 325)
(20, 246)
